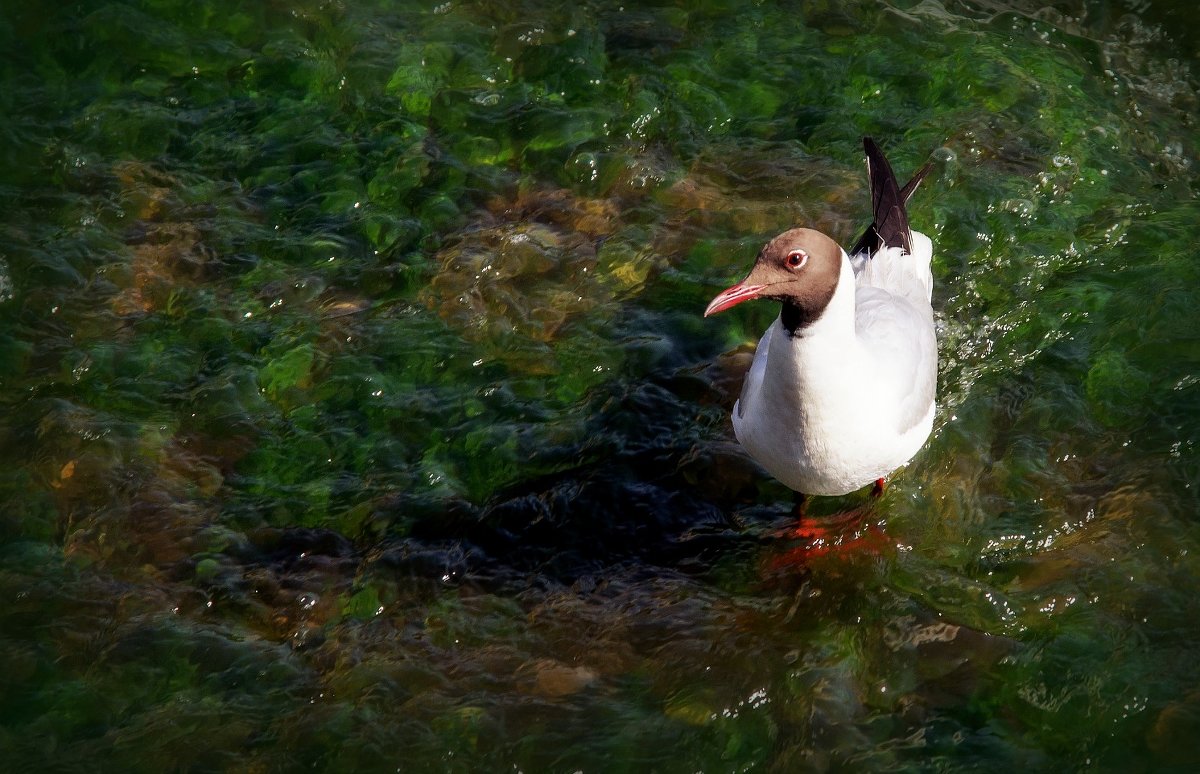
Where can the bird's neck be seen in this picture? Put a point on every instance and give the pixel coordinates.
(796, 318)
(836, 316)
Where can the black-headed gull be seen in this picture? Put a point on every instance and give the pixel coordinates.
(841, 391)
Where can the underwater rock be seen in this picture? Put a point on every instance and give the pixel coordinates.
(527, 279)
(1173, 736)
(167, 244)
(728, 372)
(560, 207)
(721, 471)
(763, 188)
(554, 679)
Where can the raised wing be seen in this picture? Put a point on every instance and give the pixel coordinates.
(889, 224)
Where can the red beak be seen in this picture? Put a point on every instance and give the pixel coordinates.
(733, 296)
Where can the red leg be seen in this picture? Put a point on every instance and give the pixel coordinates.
(799, 505)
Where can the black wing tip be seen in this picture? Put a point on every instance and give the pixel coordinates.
(889, 224)
(911, 186)
(872, 149)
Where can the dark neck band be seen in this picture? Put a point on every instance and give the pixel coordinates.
(795, 318)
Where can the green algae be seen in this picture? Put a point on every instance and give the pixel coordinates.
(358, 412)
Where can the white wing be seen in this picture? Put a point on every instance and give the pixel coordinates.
(754, 377)
(894, 321)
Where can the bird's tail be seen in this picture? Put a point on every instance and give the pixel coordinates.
(889, 227)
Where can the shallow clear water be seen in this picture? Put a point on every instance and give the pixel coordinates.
(358, 414)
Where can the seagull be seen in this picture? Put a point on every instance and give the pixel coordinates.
(842, 388)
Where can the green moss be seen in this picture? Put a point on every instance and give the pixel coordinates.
(1115, 389)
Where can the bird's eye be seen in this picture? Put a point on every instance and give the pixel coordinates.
(796, 259)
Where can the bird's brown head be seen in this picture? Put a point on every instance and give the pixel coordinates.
(799, 268)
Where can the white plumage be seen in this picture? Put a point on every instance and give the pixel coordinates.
(850, 398)
(842, 388)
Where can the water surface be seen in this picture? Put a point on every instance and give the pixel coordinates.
(358, 414)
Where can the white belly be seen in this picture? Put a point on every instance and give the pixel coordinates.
(826, 458)
(834, 416)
